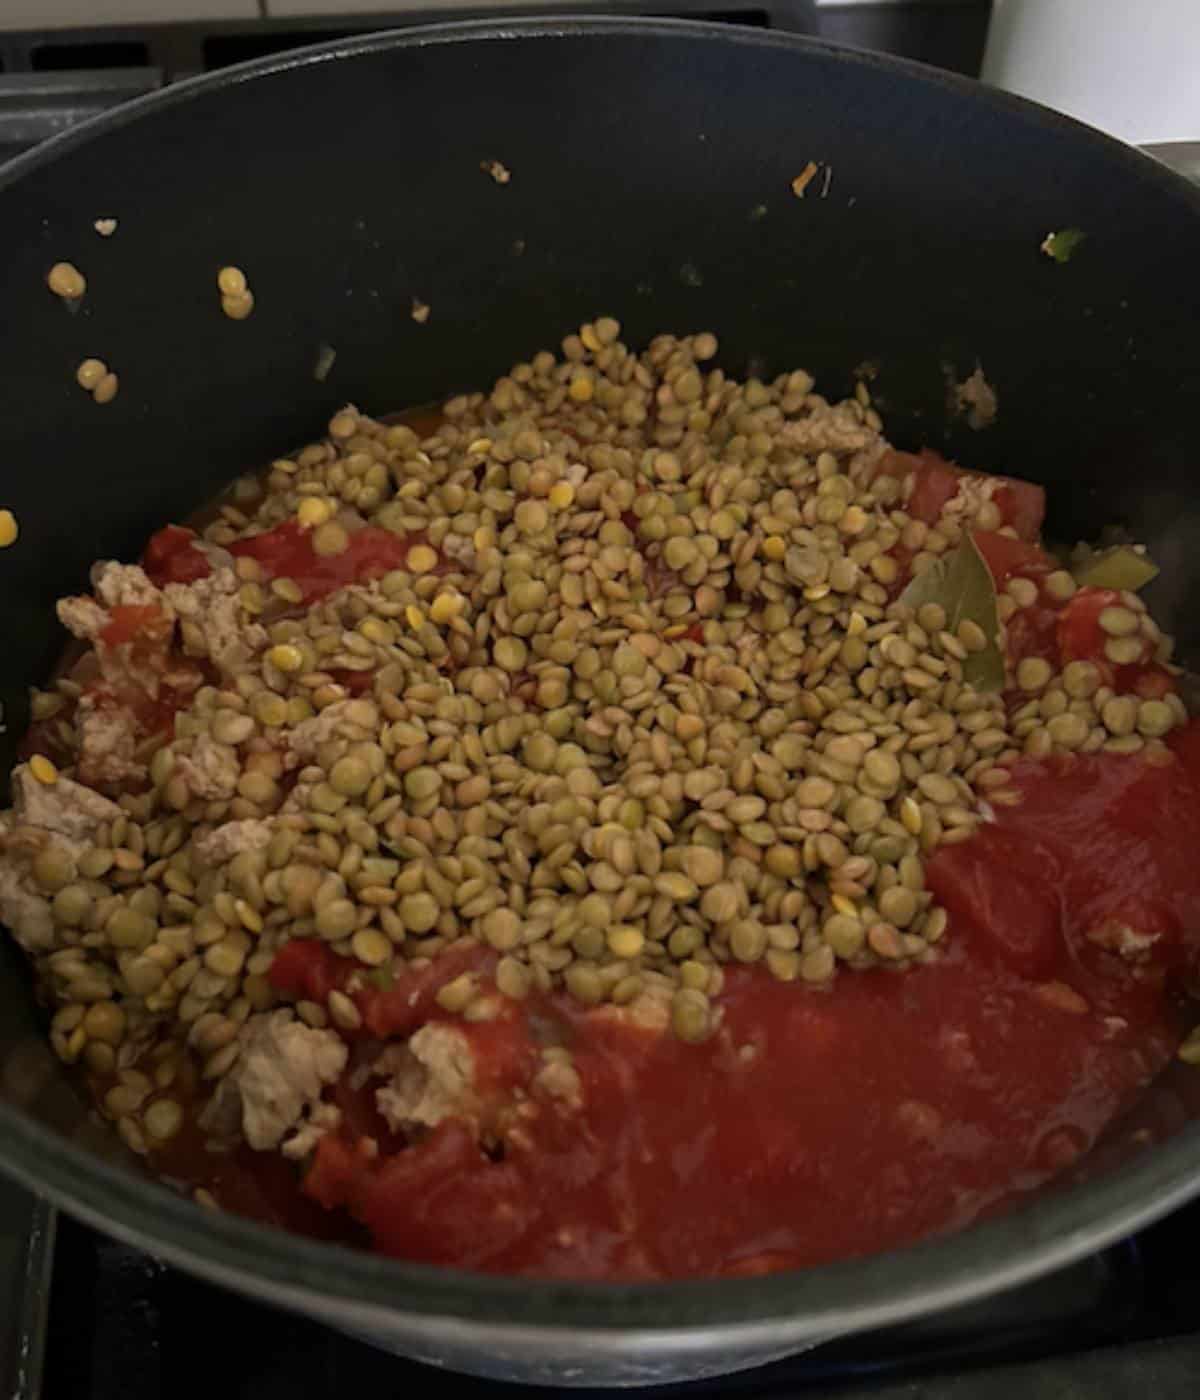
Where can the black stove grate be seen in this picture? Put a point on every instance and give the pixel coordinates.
(1123, 1323)
(53, 78)
(181, 48)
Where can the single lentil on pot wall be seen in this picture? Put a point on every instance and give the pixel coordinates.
(465, 787)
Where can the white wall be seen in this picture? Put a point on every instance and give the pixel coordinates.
(1130, 67)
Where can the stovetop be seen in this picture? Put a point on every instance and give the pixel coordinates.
(1123, 1323)
(52, 78)
(82, 1316)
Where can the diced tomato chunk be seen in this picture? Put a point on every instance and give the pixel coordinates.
(356, 682)
(1039, 887)
(171, 556)
(333, 1172)
(935, 484)
(1032, 632)
(155, 714)
(1021, 504)
(128, 622)
(1185, 743)
(1005, 556)
(505, 1054)
(992, 885)
(444, 1193)
(287, 551)
(354, 1098)
(308, 969)
(141, 671)
(1081, 638)
(1150, 682)
(381, 1191)
(401, 1007)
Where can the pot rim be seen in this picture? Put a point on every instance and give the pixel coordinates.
(370, 1289)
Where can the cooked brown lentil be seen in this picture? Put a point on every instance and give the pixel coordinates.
(90, 373)
(106, 388)
(66, 281)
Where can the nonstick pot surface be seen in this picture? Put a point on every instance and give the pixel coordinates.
(651, 170)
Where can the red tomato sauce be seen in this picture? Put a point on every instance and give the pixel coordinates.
(814, 1126)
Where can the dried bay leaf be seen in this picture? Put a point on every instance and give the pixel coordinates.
(961, 583)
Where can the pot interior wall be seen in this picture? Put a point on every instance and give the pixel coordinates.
(651, 180)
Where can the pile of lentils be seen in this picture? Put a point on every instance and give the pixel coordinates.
(642, 704)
